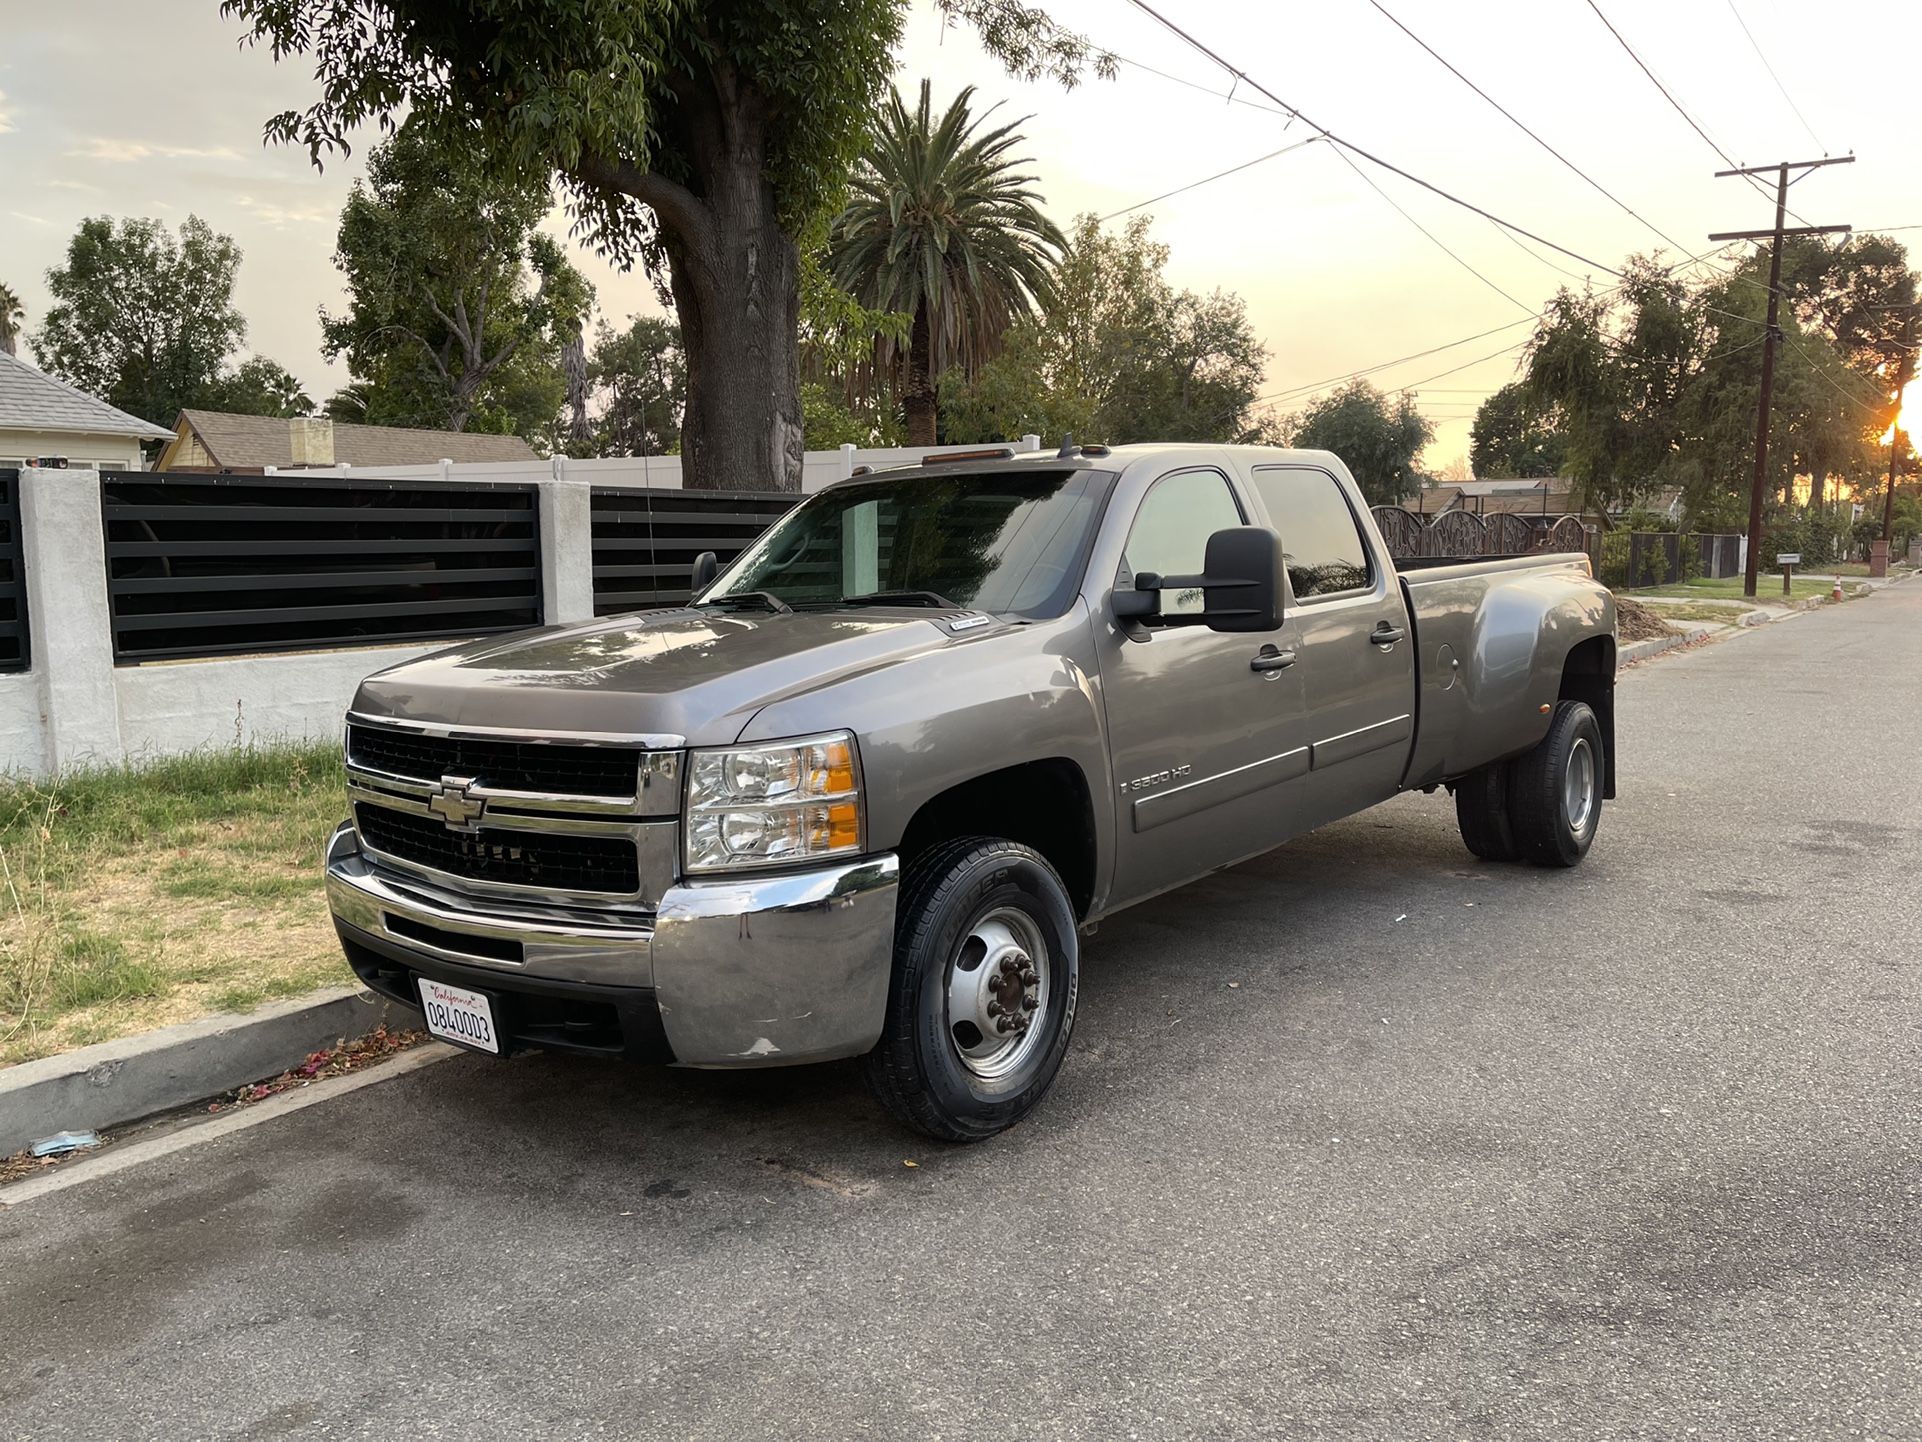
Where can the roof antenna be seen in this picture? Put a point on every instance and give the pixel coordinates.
(1069, 450)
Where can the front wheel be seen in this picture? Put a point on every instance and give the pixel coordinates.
(1555, 790)
(981, 1003)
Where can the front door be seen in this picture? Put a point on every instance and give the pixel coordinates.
(1206, 729)
(1356, 666)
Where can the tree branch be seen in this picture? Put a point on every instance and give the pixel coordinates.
(679, 209)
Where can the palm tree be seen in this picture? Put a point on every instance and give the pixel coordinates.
(943, 226)
(11, 314)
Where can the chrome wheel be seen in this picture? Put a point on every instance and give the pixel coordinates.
(997, 993)
(1578, 786)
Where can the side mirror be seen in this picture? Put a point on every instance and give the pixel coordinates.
(1240, 585)
(707, 566)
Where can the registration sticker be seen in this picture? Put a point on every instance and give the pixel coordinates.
(456, 1014)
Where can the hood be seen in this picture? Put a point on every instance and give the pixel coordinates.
(697, 674)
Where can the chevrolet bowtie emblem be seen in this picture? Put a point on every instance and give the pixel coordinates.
(454, 804)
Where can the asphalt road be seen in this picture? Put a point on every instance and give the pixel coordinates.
(1362, 1140)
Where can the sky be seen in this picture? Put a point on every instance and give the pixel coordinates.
(154, 108)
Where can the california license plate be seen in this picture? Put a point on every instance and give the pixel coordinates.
(456, 1014)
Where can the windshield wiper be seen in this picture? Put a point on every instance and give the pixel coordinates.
(753, 600)
(899, 598)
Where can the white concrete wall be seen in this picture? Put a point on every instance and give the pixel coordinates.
(23, 726)
(173, 706)
(818, 468)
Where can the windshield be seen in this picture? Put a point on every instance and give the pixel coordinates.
(1011, 542)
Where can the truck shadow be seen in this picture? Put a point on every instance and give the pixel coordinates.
(1163, 985)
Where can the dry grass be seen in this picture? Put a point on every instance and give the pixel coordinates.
(136, 898)
(1714, 611)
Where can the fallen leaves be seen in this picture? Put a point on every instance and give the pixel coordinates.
(337, 1060)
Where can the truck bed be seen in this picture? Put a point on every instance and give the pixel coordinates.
(1478, 626)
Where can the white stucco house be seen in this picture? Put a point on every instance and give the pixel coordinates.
(41, 417)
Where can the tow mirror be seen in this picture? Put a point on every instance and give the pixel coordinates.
(1240, 585)
(707, 566)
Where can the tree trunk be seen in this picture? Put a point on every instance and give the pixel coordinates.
(917, 396)
(735, 277)
(739, 308)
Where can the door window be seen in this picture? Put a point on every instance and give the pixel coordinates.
(1171, 530)
(1320, 536)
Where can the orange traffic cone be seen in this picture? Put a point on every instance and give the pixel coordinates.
(1836, 594)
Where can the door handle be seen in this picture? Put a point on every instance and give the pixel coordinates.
(1385, 634)
(1269, 659)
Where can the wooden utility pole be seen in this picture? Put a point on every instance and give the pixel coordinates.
(1772, 333)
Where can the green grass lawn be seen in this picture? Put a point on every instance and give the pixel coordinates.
(1768, 589)
(140, 897)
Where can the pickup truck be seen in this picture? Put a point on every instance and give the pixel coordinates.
(865, 795)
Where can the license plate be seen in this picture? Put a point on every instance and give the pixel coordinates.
(456, 1014)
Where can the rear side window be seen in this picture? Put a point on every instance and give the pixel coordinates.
(1319, 533)
(1171, 531)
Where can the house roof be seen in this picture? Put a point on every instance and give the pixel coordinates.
(1433, 500)
(1489, 488)
(247, 442)
(31, 400)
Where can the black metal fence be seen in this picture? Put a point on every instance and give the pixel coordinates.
(645, 541)
(213, 565)
(1463, 534)
(14, 651)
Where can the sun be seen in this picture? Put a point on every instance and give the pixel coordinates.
(1902, 422)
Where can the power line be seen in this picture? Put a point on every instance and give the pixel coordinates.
(1228, 97)
(1756, 47)
(1370, 181)
(1244, 78)
(1533, 254)
(1708, 139)
(1712, 143)
(1520, 125)
(1206, 179)
(1292, 391)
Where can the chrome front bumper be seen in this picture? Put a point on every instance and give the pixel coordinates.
(747, 971)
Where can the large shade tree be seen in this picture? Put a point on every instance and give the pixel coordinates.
(458, 305)
(145, 319)
(1378, 436)
(701, 139)
(1117, 354)
(945, 227)
(141, 317)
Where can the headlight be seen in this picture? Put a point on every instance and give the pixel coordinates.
(767, 805)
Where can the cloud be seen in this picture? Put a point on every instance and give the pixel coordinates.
(69, 185)
(33, 219)
(102, 147)
(6, 116)
(269, 213)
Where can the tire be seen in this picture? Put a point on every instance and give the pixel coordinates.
(969, 909)
(1481, 811)
(1551, 828)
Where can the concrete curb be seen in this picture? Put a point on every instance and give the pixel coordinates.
(121, 1081)
(1655, 645)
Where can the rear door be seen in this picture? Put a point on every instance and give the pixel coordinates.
(1356, 655)
(1206, 729)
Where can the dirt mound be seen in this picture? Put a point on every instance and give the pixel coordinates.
(1636, 622)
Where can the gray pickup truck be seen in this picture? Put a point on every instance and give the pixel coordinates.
(866, 793)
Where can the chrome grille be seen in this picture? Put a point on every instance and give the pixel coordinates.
(612, 772)
(550, 860)
(584, 820)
